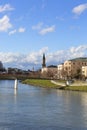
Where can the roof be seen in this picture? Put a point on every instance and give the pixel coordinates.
(79, 58)
(52, 66)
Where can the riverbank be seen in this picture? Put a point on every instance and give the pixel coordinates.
(41, 83)
(76, 86)
(13, 76)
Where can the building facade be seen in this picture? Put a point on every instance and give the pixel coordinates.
(60, 71)
(50, 70)
(72, 68)
(84, 71)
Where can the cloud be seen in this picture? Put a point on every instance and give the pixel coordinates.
(12, 32)
(27, 61)
(42, 29)
(6, 7)
(61, 18)
(5, 24)
(21, 60)
(47, 30)
(78, 10)
(74, 27)
(38, 26)
(21, 30)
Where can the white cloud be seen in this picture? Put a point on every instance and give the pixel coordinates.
(47, 30)
(6, 7)
(78, 10)
(38, 26)
(42, 29)
(21, 30)
(75, 27)
(35, 58)
(61, 55)
(61, 18)
(12, 32)
(5, 23)
(25, 61)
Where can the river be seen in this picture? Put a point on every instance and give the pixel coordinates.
(35, 108)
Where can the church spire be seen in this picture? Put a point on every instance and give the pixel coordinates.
(44, 60)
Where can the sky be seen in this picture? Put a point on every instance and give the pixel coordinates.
(29, 28)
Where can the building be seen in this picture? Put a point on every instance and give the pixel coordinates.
(44, 61)
(69, 69)
(60, 71)
(50, 70)
(74, 67)
(84, 71)
(44, 68)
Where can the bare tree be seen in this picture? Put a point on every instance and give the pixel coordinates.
(64, 74)
(51, 73)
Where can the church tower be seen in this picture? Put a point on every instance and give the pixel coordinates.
(43, 62)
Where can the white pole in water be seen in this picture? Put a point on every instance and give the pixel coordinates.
(16, 84)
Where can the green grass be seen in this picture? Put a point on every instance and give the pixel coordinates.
(61, 81)
(48, 84)
(76, 88)
(40, 83)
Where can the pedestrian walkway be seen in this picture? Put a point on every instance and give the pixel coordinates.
(58, 83)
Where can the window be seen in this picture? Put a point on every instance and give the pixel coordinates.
(83, 71)
(69, 68)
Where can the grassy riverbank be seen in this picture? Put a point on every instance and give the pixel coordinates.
(49, 84)
(76, 88)
(40, 83)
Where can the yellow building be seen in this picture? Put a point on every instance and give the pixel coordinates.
(74, 67)
(84, 71)
(69, 69)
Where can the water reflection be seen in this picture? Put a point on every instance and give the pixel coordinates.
(15, 92)
(15, 95)
(34, 108)
(74, 108)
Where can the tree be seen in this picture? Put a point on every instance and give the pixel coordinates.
(64, 74)
(51, 73)
(78, 74)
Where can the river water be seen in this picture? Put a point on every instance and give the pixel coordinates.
(35, 108)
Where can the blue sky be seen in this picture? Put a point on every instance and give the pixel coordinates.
(28, 29)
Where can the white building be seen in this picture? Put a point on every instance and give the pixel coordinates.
(44, 70)
(60, 69)
(49, 70)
